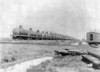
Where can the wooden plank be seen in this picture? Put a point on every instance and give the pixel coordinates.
(94, 54)
(93, 60)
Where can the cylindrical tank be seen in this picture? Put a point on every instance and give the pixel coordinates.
(38, 35)
(45, 35)
(20, 31)
(31, 33)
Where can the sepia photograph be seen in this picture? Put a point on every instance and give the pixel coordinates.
(49, 35)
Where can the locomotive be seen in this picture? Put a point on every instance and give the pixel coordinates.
(23, 34)
(93, 39)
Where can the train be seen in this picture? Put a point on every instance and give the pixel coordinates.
(20, 33)
(93, 39)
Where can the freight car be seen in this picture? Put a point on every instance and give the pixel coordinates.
(23, 34)
(20, 33)
(93, 39)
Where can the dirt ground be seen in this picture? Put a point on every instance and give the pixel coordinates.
(14, 53)
(66, 64)
(17, 53)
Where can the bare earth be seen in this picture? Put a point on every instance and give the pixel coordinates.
(13, 54)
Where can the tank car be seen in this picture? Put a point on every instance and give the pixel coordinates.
(51, 36)
(46, 36)
(19, 33)
(31, 34)
(93, 39)
(38, 35)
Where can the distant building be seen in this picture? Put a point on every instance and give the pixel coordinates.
(93, 38)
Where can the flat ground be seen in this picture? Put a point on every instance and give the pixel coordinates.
(16, 53)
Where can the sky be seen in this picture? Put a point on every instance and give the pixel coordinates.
(69, 17)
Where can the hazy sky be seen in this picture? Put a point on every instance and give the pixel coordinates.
(70, 17)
